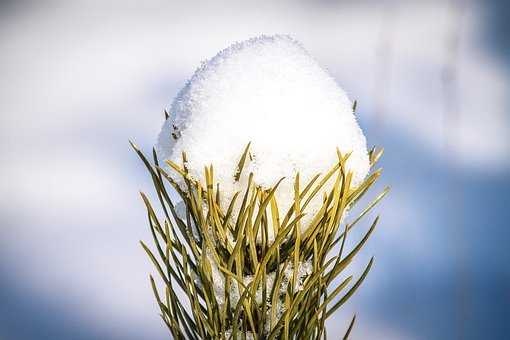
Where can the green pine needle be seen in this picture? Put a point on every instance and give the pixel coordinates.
(191, 252)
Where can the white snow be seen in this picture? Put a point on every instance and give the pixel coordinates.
(229, 335)
(268, 91)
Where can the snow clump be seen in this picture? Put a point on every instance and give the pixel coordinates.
(268, 91)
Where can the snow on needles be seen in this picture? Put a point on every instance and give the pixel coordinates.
(268, 91)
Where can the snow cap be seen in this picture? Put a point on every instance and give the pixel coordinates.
(268, 91)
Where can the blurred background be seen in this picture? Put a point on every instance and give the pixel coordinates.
(79, 78)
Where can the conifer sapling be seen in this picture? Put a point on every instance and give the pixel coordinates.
(257, 165)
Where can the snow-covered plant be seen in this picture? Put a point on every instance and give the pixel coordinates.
(254, 245)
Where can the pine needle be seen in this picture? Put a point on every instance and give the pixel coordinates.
(208, 255)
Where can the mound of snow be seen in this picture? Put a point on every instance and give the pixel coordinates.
(268, 91)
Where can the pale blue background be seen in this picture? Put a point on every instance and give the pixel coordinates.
(80, 78)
